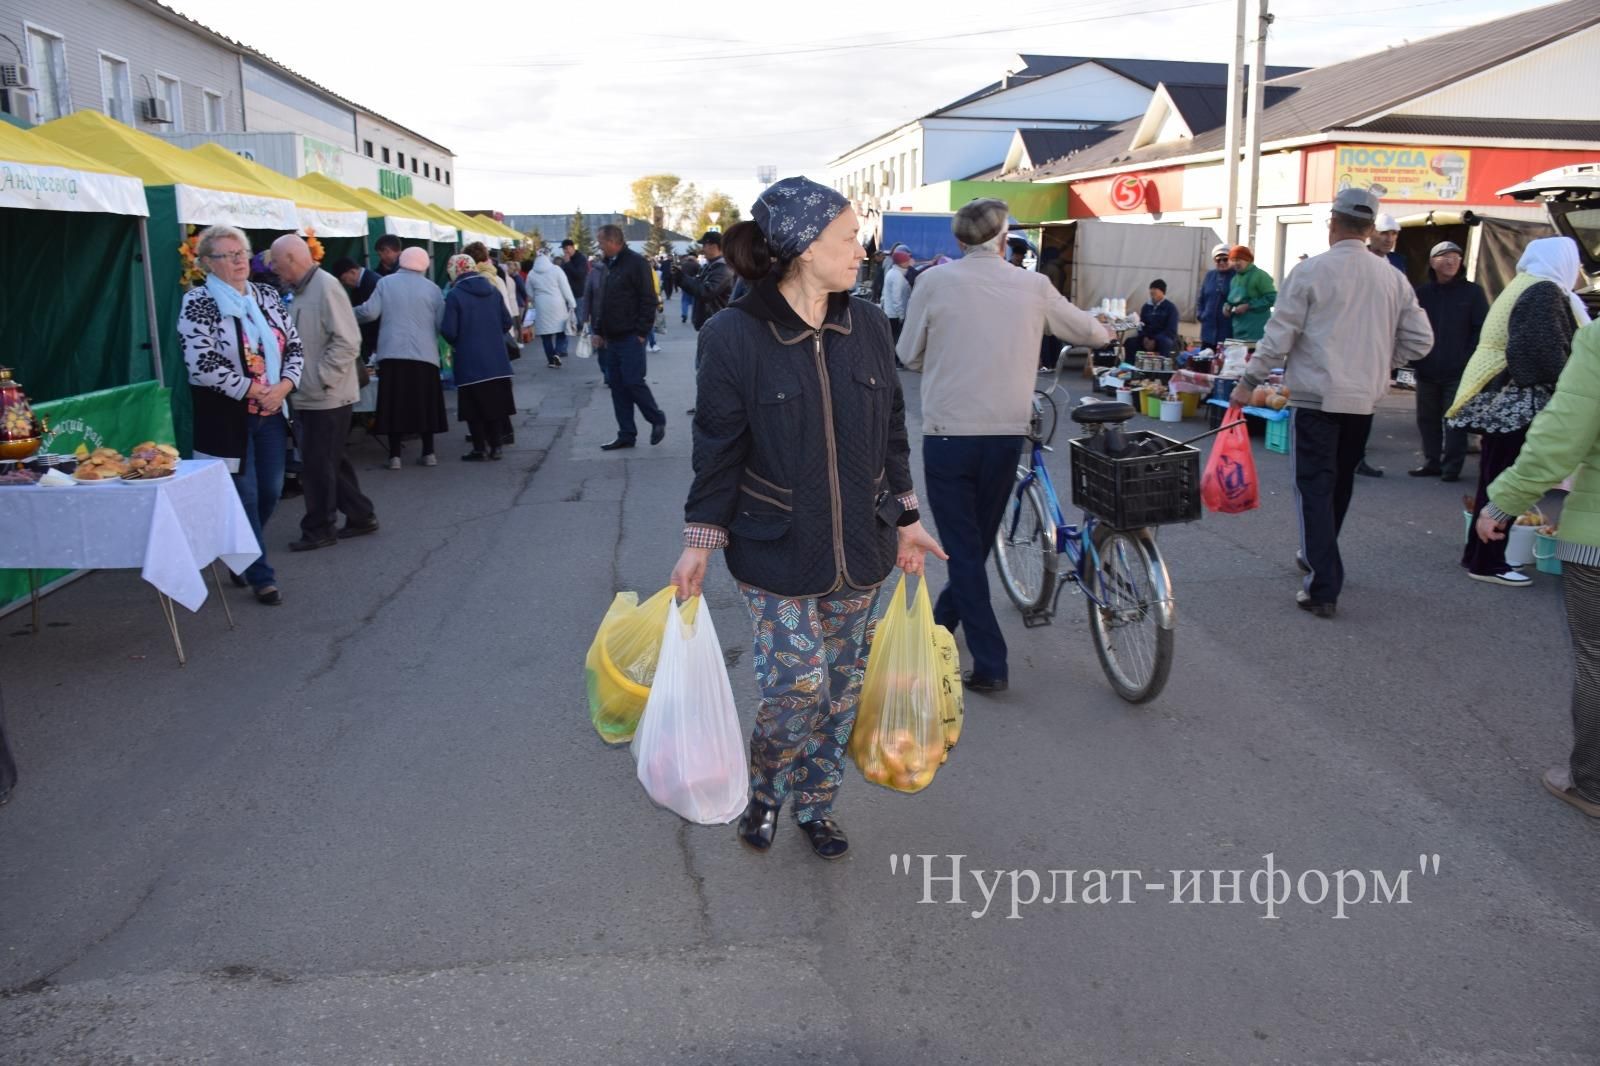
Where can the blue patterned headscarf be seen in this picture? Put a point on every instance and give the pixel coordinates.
(793, 212)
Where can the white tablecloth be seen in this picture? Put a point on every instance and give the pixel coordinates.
(169, 529)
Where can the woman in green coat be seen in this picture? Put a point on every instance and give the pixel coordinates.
(1251, 295)
(1566, 437)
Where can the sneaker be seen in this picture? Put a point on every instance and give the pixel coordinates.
(1558, 782)
(1322, 610)
(429, 460)
(394, 463)
(1510, 578)
(653, 349)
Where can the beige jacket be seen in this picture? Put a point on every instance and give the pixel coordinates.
(1344, 319)
(327, 326)
(973, 327)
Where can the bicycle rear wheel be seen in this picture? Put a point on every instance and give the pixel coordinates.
(1135, 649)
(1025, 551)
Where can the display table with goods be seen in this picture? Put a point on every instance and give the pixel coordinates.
(165, 517)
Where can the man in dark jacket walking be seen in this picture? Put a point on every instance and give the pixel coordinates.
(575, 265)
(360, 283)
(1456, 309)
(712, 286)
(626, 315)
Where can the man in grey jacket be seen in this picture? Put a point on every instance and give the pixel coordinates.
(1343, 321)
(326, 396)
(973, 328)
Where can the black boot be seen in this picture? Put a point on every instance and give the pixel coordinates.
(757, 825)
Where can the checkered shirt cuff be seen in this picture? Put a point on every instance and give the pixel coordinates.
(709, 537)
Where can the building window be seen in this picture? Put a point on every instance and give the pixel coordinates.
(915, 180)
(366, 147)
(171, 90)
(447, 177)
(413, 164)
(400, 157)
(116, 90)
(216, 121)
(48, 55)
(425, 170)
(386, 155)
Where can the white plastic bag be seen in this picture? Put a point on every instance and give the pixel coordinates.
(582, 347)
(690, 751)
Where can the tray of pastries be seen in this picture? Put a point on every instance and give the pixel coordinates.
(150, 461)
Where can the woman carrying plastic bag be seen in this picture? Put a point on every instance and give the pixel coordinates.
(803, 474)
(689, 748)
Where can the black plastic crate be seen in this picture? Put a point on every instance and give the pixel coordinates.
(1137, 490)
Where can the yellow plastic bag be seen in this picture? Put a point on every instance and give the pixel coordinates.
(622, 660)
(952, 699)
(901, 730)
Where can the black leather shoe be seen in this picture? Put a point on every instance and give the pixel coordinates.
(238, 580)
(474, 457)
(269, 596)
(494, 454)
(1426, 470)
(827, 839)
(757, 825)
(986, 685)
(1449, 476)
(618, 443)
(1366, 469)
(657, 432)
(311, 544)
(350, 529)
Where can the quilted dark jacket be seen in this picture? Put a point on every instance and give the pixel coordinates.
(800, 447)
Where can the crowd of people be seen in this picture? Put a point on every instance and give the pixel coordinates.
(802, 468)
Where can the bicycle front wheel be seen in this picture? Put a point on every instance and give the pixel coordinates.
(1135, 649)
(1025, 551)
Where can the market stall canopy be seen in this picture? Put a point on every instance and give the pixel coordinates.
(444, 228)
(205, 193)
(42, 175)
(473, 229)
(396, 220)
(496, 226)
(319, 212)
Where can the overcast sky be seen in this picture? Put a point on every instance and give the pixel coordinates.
(561, 103)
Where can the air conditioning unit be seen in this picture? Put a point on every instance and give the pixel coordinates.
(25, 105)
(15, 76)
(155, 109)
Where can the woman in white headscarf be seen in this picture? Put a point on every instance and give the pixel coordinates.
(553, 306)
(1522, 349)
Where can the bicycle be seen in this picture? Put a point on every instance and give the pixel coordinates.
(1126, 485)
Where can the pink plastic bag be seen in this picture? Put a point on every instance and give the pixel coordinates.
(1229, 483)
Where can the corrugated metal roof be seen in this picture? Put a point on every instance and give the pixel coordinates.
(1520, 128)
(1339, 95)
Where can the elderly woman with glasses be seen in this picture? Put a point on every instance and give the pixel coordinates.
(244, 359)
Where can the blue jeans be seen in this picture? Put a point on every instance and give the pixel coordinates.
(260, 483)
(554, 344)
(685, 305)
(969, 481)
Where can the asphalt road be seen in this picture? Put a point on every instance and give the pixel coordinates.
(375, 826)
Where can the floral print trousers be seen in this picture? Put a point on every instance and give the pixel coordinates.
(810, 659)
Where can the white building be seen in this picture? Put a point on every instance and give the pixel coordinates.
(974, 134)
(142, 63)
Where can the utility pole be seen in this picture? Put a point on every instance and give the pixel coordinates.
(1252, 125)
(1230, 151)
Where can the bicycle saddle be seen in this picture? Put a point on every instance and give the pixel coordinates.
(1091, 414)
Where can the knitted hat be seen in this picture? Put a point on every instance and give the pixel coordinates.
(1239, 251)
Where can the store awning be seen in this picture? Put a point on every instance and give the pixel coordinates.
(205, 193)
(394, 218)
(41, 175)
(319, 212)
(444, 228)
(485, 224)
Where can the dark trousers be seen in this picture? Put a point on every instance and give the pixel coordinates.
(326, 476)
(555, 344)
(1134, 346)
(397, 444)
(1582, 586)
(1327, 450)
(629, 388)
(1443, 446)
(1499, 451)
(485, 435)
(969, 480)
(260, 483)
